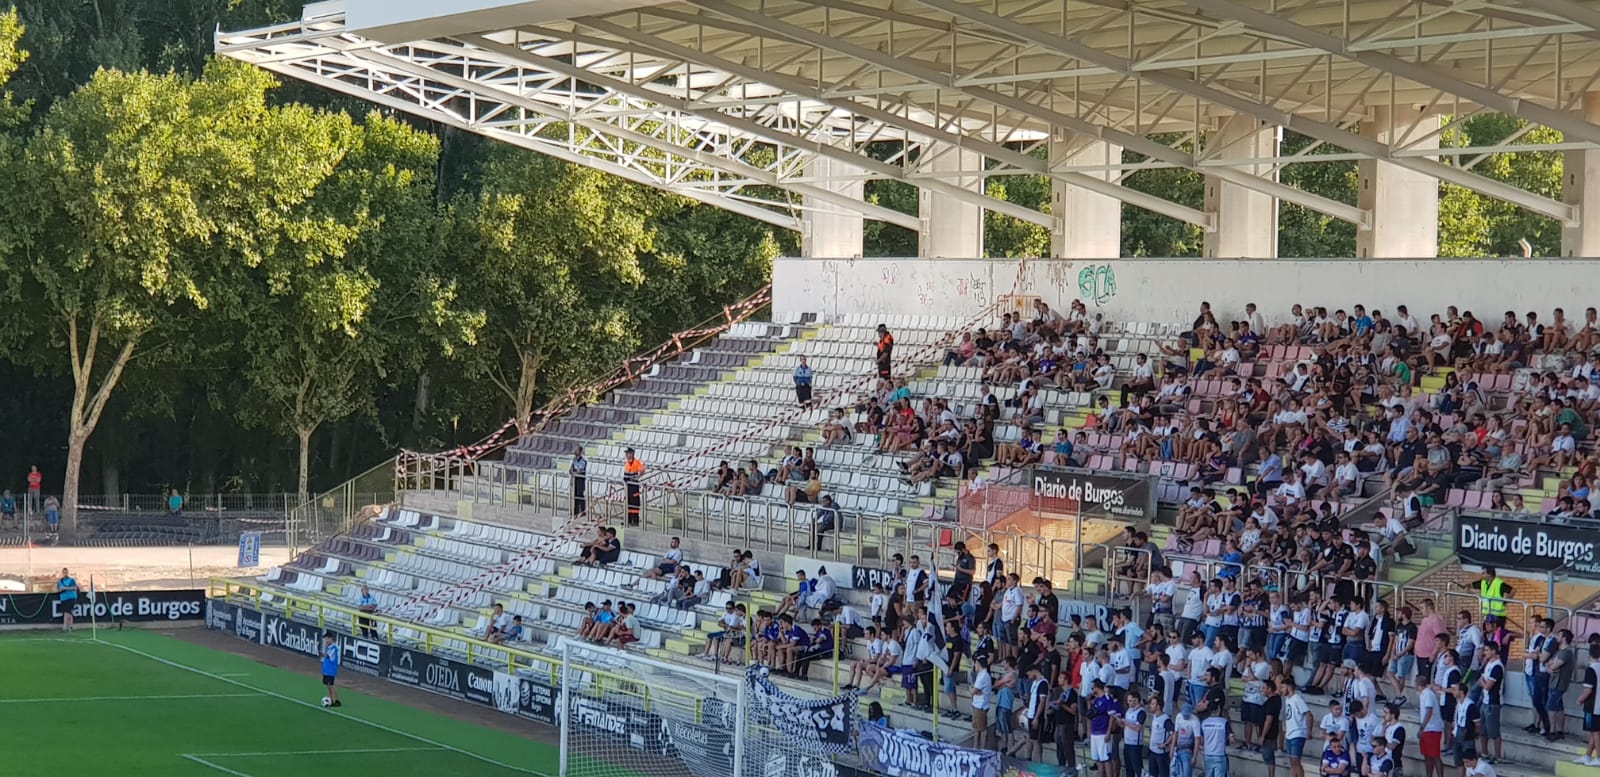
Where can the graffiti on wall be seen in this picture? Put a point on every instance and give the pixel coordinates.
(974, 287)
(1097, 283)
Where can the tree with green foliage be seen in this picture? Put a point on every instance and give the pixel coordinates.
(318, 337)
(142, 205)
(549, 254)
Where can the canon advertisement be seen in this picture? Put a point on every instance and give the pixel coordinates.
(442, 676)
(1526, 546)
(130, 606)
(1124, 496)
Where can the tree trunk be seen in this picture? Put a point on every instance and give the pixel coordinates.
(86, 409)
(419, 410)
(76, 440)
(527, 378)
(305, 461)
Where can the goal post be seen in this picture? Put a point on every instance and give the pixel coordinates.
(626, 715)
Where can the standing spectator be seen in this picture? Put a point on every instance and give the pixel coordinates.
(1492, 681)
(1534, 676)
(579, 470)
(1560, 668)
(802, 383)
(632, 475)
(885, 350)
(368, 605)
(1213, 743)
(175, 503)
(8, 508)
(35, 483)
(1591, 708)
(67, 592)
(52, 517)
(1296, 725)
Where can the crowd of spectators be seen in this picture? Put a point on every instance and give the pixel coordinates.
(1283, 427)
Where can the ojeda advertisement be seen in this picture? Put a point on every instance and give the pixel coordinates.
(132, 606)
(1525, 546)
(1093, 494)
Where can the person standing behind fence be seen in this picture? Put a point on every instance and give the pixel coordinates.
(579, 470)
(802, 383)
(35, 485)
(175, 503)
(368, 605)
(632, 476)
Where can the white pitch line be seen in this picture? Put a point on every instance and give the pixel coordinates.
(346, 716)
(66, 699)
(279, 753)
(218, 767)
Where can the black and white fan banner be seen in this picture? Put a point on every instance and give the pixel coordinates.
(817, 725)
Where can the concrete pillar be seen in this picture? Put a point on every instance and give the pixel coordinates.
(1580, 186)
(830, 232)
(1404, 205)
(1246, 221)
(951, 228)
(1087, 225)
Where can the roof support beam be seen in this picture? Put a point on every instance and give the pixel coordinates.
(994, 151)
(725, 164)
(1137, 143)
(1305, 126)
(514, 54)
(1573, 126)
(533, 143)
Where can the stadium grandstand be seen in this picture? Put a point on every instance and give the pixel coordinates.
(1263, 491)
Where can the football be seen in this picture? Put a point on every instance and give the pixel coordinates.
(327, 702)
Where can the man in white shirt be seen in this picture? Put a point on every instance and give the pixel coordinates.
(1199, 663)
(982, 687)
(1011, 604)
(824, 590)
(670, 561)
(1296, 716)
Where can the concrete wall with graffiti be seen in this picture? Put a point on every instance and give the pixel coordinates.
(1170, 290)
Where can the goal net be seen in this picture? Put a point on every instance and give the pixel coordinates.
(625, 715)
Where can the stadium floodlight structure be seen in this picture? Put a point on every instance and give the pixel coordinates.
(781, 109)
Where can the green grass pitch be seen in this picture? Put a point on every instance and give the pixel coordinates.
(139, 703)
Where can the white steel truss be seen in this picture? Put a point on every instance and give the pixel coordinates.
(732, 102)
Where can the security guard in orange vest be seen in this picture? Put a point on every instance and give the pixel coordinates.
(885, 350)
(632, 474)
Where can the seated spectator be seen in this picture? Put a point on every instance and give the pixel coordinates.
(883, 652)
(512, 633)
(820, 645)
(625, 630)
(746, 573)
(720, 644)
(596, 625)
(499, 622)
(836, 429)
(808, 492)
(827, 520)
(604, 550)
(670, 561)
(803, 587)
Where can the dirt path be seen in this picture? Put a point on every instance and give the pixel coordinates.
(133, 568)
(475, 714)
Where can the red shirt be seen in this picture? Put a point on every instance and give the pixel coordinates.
(35, 478)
